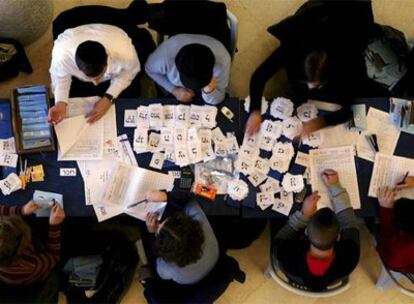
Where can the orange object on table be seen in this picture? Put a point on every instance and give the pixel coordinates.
(206, 191)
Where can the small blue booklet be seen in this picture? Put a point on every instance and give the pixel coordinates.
(45, 200)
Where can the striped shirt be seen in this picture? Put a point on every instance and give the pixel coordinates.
(31, 265)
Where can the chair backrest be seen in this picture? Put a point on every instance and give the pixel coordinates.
(210, 18)
(404, 289)
(332, 290)
(234, 32)
(206, 291)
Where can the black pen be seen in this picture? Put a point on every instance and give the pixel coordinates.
(403, 180)
(135, 204)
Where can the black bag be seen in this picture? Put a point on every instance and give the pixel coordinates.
(117, 272)
(13, 59)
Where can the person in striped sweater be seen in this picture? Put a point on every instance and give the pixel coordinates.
(20, 262)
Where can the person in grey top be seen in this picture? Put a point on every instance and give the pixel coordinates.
(185, 244)
(317, 248)
(186, 64)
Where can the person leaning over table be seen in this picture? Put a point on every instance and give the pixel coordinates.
(396, 228)
(91, 53)
(185, 245)
(316, 248)
(322, 52)
(187, 64)
(21, 261)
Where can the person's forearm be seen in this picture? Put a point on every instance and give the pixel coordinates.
(61, 88)
(339, 197)
(215, 97)
(292, 229)
(53, 244)
(341, 116)
(347, 219)
(14, 210)
(123, 80)
(262, 74)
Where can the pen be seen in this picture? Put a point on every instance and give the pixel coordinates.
(135, 204)
(403, 180)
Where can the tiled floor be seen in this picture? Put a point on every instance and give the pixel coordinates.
(254, 45)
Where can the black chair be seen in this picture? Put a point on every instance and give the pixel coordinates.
(192, 17)
(207, 290)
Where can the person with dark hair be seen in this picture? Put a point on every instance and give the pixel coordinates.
(320, 60)
(185, 244)
(396, 233)
(318, 248)
(21, 262)
(92, 53)
(187, 64)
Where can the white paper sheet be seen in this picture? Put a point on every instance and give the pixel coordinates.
(237, 189)
(281, 108)
(143, 116)
(293, 183)
(130, 118)
(388, 171)
(292, 127)
(129, 185)
(306, 112)
(284, 204)
(338, 136)
(340, 159)
(7, 145)
(387, 135)
(140, 211)
(8, 159)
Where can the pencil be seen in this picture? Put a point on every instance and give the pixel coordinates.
(403, 180)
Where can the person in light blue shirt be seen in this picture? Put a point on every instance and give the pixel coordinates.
(187, 64)
(185, 245)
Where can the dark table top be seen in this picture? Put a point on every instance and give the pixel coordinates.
(364, 168)
(72, 188)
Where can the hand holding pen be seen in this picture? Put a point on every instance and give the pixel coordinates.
(405, 183)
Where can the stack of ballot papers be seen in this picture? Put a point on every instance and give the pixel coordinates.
(180, 134)
(8, 156)
(388, 172)
(116, 188)
(340, 159)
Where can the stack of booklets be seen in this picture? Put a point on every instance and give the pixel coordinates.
(33, 109)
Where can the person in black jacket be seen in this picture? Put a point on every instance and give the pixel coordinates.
(323, 55)
(331, 248)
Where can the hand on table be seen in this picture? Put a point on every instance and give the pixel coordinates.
(57, 113)
(57, 215)
(152, 222)
(99, 110)
(30, 208)
(330, 177)
(386, 197)
(253, 123)
(309, 204)
(408, 183)
(211, 86)
(183, 94)
(156, 196)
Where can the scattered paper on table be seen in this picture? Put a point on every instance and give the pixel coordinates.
(281, 108)
(237, 189)
(340, 159)
(293, 183)
(292, 127)
(306, 112)
(389, 171)
(130, 118)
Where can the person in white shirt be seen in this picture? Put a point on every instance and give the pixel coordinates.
(91, 53)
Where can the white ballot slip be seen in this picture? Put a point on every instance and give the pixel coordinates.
(281, 108)
(154, 142)
(7, 145)
(284, 204)
(8, 160)
(140, 140)
(340, 159)
(314, 139)
(302, 159)
(271, 185)
(265, 199)
(389, 171)
(256, 178)
(208, 117)
(157, 161)
(237, 189)
(182, 116)
(292, 127)
(129, 185)
(307, 111)
(143, 116)
(293, 183)
(10, 184)
(283, 150)
(130, 118)
(156, 115)
(196, 114)
(263, 108)
(169, 111)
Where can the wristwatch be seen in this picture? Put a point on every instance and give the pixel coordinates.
(111, 98)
